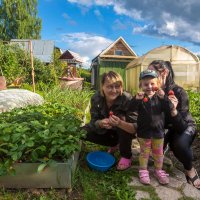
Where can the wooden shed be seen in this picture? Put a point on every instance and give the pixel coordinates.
(185, 65)
(70, 77)
(72, 60)
(115, 57)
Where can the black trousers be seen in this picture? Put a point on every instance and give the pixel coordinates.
(112, 138)
(180, 144)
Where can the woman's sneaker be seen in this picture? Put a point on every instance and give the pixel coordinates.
(124, 163)
(162, 176)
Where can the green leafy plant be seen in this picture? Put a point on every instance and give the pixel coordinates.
(47, 133)
(194, 103)
(194, 98)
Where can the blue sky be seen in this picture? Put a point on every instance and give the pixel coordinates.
(89, 26)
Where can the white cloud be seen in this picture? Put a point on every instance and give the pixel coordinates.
(179, 22)
(98, 14)
(87, 45)
(169, 28)
(86, 62)
(69, 20)
(139, 29)
(84, 5)
(82, 2)
(92, 2)
(118, 25)
(133, 13)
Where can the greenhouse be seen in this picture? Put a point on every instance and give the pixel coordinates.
(185, 65)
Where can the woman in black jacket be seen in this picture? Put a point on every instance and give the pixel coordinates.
(180, 124)
(111, 121)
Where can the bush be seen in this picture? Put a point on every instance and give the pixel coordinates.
(16, 63)
(87, 85)
(86, 74)
(194, 98)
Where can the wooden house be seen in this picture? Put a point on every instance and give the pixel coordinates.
(115, 57)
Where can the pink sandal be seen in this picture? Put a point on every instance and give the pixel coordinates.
(162, 176)
(113, 149)
(124, 163)
(144, 176)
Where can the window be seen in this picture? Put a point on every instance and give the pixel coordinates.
(118, 52)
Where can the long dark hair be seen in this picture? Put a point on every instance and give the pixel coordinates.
(169, 84)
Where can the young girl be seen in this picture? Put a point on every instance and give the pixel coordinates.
(151, 104)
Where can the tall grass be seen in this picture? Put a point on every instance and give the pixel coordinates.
(78, 99)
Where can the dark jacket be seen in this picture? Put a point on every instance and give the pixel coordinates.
(183, 121)
(151, 116)
(99, 110)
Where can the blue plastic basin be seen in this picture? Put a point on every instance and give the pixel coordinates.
(100, 160)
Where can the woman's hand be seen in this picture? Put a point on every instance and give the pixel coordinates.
(114, 120)
(140, 95)
(121, 123)
(161, 93)
(105, 123)
(174, 101)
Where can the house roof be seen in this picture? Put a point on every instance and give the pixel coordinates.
(115, 42)
(42, 49)
(71, 57)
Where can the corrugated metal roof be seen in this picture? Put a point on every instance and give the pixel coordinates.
(42, 49)
(76, 56)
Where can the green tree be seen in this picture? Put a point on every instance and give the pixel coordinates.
(18, 20)
(59, 65)
(15, 63)
(86, 74)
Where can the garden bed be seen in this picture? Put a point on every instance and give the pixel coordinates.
(58, 175)
(38, 156)
(40, 145)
